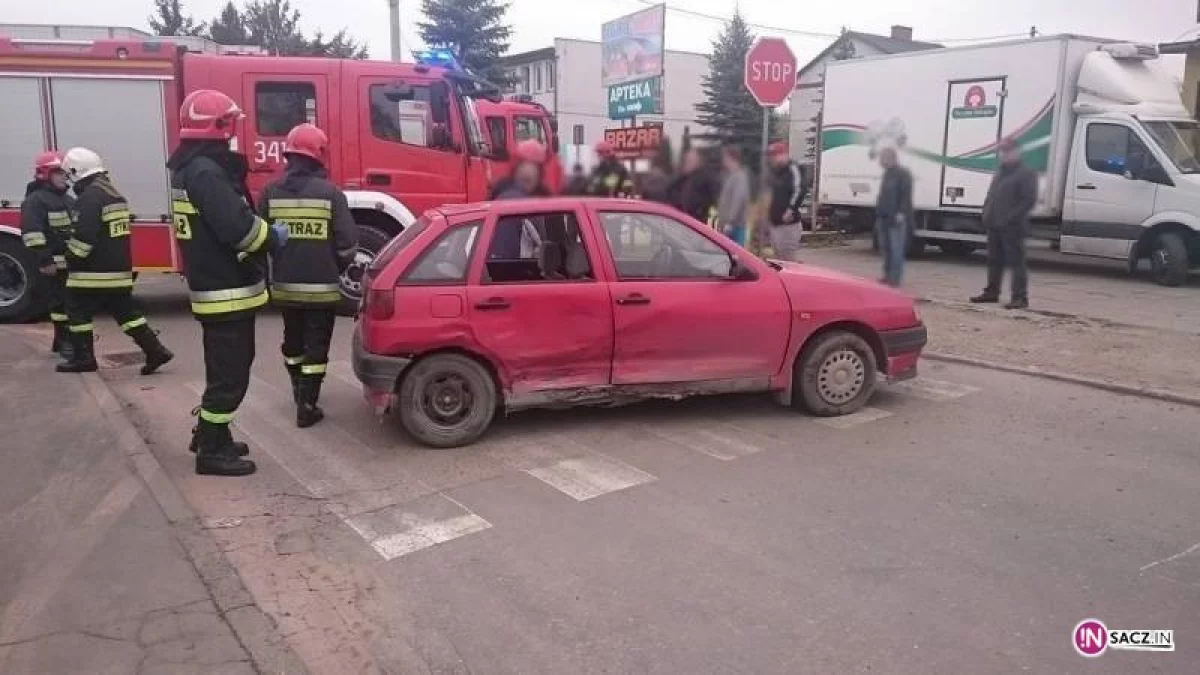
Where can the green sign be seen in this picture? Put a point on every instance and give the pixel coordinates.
(973, 113)
(642, 97)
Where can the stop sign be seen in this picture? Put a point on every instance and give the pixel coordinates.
(770, 71)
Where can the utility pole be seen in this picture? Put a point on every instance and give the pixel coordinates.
(394, 20)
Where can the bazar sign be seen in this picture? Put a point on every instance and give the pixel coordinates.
(635, 98)
(635, 142)
(632, 47)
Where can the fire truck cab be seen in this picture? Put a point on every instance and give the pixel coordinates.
(506, 123)
(404, 137)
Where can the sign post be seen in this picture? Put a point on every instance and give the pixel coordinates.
(770, 77)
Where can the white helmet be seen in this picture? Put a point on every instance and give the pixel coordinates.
(79, 163)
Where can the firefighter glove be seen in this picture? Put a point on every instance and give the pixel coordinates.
(281, 232)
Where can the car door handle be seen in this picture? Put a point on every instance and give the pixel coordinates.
(378, 179)
(1086, 186)
(492, 304)
(633, 299)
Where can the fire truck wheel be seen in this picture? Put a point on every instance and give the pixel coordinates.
(18, 281)
(371, 241)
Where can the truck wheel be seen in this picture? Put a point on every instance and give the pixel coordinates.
(447, 400)
(1169, 259)
(835, 374)
(18, 281)
(370, 241)
(958, 249)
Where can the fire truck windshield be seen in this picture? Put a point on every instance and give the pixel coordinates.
(475, 135)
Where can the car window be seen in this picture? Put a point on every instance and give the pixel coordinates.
(398, 243)
(528, 128)
(1112, 148)
(537, 247)
(447, 259)
(498, 135)
(280, 106)
(650, 246)
(403, 115)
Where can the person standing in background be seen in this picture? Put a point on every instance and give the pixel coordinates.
(1010, 199)
(787, 192)
(610, 178)
(734, 203)
(693, 189)
(893, 216)
(577, 185)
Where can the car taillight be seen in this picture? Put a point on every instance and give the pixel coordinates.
(381, 303)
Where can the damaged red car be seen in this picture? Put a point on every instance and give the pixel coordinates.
(490, 308)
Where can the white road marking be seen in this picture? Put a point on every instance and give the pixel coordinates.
(1172, 558)
(854, 419)
(937, 391)
(590, 476)
(317, 459)
(722, 446)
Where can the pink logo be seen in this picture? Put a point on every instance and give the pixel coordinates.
(1090, 638)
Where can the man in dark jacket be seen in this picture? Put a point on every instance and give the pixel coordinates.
(787, 193)
(694, 190)
(45, 228)
(322, 240)
(893, 215)
(218, 233)
(1010, 199)
(100, 267)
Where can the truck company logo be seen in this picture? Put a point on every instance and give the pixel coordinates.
(1033, 138)
(1092, 638)
(974, 105)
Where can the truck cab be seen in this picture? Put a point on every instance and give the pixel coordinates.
(507, 123)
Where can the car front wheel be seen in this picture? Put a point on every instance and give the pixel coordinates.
(836, 374)
(447, 400)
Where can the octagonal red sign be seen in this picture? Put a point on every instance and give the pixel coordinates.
(770, 71)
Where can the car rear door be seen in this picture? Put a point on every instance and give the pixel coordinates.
(678, 314)
(535, 303)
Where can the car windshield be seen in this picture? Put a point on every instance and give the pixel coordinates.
(528, 128)
(1179, 140)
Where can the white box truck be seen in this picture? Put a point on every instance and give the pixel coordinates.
(1099, 120)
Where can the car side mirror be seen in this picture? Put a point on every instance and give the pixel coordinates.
(740, 272)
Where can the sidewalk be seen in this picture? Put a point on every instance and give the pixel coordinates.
(97, 550)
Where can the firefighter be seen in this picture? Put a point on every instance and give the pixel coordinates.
(45, 228)
(218, 233)
(322, 240)
(100, 266)
(610, 178)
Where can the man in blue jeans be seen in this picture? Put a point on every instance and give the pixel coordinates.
(893, 216)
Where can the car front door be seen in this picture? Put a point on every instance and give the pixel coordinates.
(1108, 201)
(536, 306)
(679, 314)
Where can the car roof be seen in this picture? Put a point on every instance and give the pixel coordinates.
(549, 204)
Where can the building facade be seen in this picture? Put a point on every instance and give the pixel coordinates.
(565, 79)
(806, 100)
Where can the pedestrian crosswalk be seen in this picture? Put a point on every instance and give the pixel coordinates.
(374, 488)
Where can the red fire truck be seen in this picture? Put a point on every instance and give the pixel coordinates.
(507, 123)
(405, 137)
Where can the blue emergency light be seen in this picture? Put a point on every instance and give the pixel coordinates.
(439, 58)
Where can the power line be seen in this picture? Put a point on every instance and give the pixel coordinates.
(807, 33)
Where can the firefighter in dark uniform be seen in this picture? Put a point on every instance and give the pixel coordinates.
(322, 239)
(610, 178)
(219, 233)
(100, 266)
(45, 228)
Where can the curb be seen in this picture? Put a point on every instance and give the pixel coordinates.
(254, 629)
(1094, 383)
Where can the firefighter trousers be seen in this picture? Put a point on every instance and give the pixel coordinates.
(56, 298)
(307, 332)
(83, 306)
(228, 355)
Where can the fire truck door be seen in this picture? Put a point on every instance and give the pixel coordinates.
(274, 104)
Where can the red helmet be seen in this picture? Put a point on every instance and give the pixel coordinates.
(208, 115)
(530, 150)
(308, 140)
(605, 149)
(47, 163)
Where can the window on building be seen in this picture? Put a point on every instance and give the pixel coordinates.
(401, 114)
(446, 261)
(526, 80)
(280, 106)
(550, 68)
(537, 77)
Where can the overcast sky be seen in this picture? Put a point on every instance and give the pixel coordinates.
(537, 22)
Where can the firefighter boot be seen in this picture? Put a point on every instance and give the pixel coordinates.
(156, 354)
(294, 376)
(83, 356)
(217, 454)
(194, 446)
(62, 341)
(308, 390)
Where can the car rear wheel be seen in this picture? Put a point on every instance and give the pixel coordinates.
(370, 242)
(19, 277)
(447, 400)
(836, 374)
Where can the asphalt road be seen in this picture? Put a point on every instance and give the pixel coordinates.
(967, 521)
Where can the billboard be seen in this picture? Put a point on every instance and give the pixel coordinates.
(632, 62)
